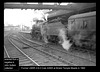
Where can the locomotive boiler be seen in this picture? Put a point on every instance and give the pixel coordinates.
(47, 31)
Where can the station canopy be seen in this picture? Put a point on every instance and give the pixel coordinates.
(57, 8)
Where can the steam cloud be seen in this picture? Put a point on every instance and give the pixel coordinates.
(64, 41)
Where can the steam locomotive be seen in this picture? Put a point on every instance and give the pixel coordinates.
(80, 30)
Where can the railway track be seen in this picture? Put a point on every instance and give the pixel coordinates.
(55, 61)
(71, 58)
(6, 55)
(13, 51)
(73, 49)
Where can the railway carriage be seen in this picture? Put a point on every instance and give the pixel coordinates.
(82, 29)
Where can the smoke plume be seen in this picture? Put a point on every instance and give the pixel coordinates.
(63, 39)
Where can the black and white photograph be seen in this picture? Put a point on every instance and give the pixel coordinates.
(49, 34)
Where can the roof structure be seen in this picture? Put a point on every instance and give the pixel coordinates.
(83, 15)
(72, 6)
(58, 10)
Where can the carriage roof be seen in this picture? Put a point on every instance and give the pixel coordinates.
(83, 15)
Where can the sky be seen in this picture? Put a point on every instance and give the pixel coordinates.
(22, 17)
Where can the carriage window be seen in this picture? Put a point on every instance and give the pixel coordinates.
(72, 21)
(85, 22)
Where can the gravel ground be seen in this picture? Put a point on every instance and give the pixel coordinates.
(28, 36)
(6, 33)
(75, 52)
(14, 53)
(79, 53)
(39, 57)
